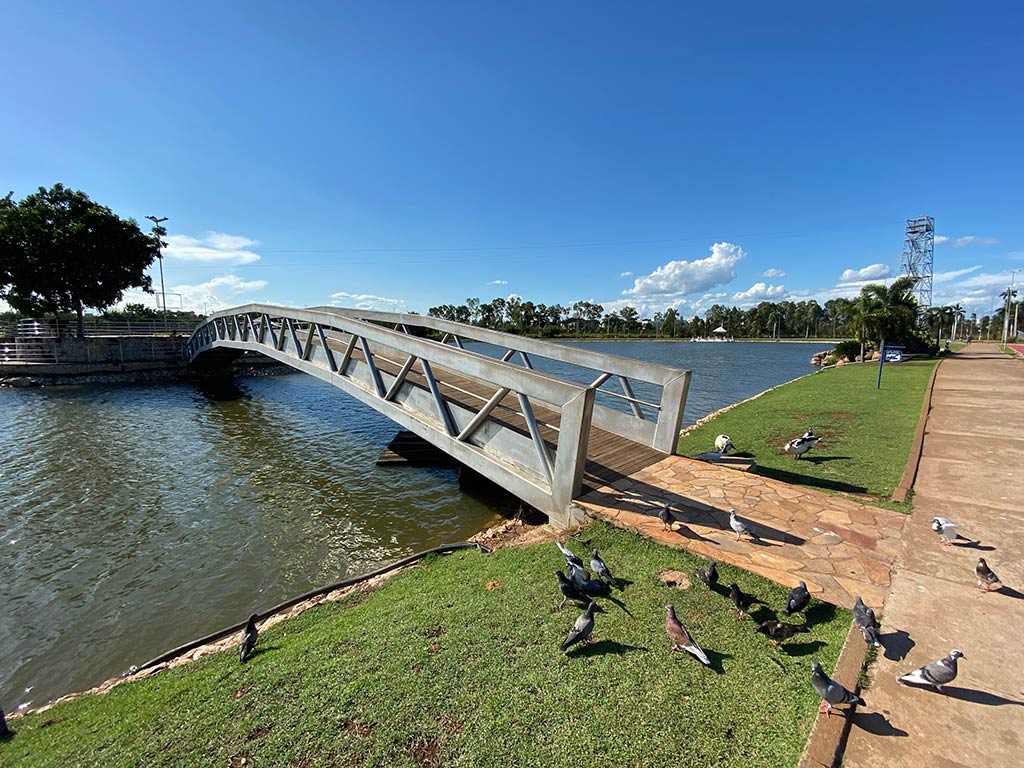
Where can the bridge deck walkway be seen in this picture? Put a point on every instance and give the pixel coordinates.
(610, 457)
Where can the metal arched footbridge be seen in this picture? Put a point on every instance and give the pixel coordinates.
(544, 420)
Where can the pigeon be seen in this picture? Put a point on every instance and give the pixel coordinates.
(937, 673)
(570, 558)
(799, 597)
(248, 641)
(708, 575)
(578, 575)
(739, 525)
(798, 446)
(830, 691)
(946, 529)
(581, 629)
(601, 570)
(739, 599)
(723, 444)
(681, 638)
(986, 576)
(863, 616)
(569, 590)
(665, 515)
(778, 631)
(870, 635)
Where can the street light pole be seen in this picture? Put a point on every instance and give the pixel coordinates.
(1006, 306)
(159, 231)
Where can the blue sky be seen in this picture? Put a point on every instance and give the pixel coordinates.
(402, 155)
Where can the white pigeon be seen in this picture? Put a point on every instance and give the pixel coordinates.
(739, 525)
(937, 673)
(723, 444)
(946, 529)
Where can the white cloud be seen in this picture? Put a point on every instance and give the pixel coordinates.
(680, 278)
(366, 301)
(218, 293)
(625, 274)
(945, 277)
(212, 248)
(498, 282)
(773, 273)
(872, 272)
(960, 242)
(759, 292)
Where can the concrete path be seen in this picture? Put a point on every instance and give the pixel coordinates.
(971, 471)
(839, 547)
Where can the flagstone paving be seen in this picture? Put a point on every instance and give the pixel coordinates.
(839, 547)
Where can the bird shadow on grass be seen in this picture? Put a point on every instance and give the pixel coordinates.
(261, 650)
(761, 612)
(795, 478)
(716, 660)
(974, 696)
(823, 459)
(802, 649)
(604, 648)
(820, 613)
(897, 644)
(876, 723)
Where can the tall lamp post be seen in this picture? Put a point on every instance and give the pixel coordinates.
(1010, 294)
(159, 231)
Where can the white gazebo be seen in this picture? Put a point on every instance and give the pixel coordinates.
(720, 331)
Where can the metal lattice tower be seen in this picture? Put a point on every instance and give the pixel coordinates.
(916, 261)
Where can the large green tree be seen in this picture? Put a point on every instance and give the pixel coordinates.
(62, 252)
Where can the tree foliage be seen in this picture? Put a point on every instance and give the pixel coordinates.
(62, 252)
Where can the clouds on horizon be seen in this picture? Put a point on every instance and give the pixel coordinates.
(870, 272)
(366, 301)
(681, 278)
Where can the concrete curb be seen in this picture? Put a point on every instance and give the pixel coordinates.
(828, 735)
(910, 472)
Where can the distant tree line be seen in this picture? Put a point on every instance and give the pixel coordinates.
(878, 312)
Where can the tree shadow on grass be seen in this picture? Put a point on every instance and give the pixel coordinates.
(604, 648)
(876, 723)
(897, 644)
(795, 478)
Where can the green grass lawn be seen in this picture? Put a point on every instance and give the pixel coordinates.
(436, 668)
(866, 433)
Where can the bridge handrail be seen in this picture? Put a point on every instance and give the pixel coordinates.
(530, 382)
(614, 364)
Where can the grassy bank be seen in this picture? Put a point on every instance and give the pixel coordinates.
(456, 663)
(866, 433)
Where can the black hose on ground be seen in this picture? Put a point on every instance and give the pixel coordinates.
(213, 636)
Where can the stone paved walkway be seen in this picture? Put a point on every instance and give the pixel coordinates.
(839, 547)
(971, 470)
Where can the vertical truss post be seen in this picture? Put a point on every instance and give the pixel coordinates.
(627, 390)
(442, 407)
(378, 383)
(538, 441)
(327, 350)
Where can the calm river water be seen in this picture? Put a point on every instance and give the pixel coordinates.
(137, 517)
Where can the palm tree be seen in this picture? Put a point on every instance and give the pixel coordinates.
(885, 312)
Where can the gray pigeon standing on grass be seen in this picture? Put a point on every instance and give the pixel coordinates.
(739, 599)
(739, 525)
(708, 575)
(831, 692)
(581, 629)
(937, 673)
(681, 638)
(248, 641)
(799, 597)
(600, 569)
(569, 590)
(570, 558)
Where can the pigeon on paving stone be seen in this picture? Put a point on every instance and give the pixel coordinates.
(986, 576)
(708, 575)
(248, 641)
(581, 629)
(937, 673)
(799, 597)
(570, 558)
(600, 569)
(863, 616)
(723, 444)
(665, 515)
(830, 691)
(681, 638)
(739, 599)
(739, 525)
(778, 631)
(569, 590)
(946, 529)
